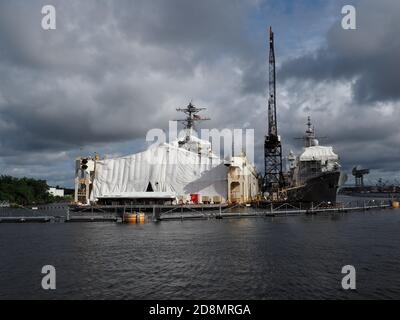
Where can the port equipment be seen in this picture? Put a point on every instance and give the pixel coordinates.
(359, 176)
(84, 174)
(273, 177)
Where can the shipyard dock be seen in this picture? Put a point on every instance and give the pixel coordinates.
(115, 214)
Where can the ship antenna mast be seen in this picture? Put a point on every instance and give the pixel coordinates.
(310, 137)
(273, 178)
(310, 133)
(191, 117)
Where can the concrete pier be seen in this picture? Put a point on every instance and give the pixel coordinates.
(92, 219)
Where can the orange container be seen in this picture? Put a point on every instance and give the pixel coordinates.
(141, 217)
(130, 218)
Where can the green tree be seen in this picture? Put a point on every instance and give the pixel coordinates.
(24, 191)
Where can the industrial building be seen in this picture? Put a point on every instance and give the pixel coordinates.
(56, 192)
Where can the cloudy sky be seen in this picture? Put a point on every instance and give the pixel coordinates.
(114, 69)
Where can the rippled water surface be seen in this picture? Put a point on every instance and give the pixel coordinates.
(250, 258)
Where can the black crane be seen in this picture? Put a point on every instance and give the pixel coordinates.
(273, 178)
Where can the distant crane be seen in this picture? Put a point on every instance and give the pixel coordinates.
(273, 177)
(359, 176)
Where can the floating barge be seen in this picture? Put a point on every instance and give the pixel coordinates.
(26, 219)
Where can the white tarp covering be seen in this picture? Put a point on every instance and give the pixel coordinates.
(167, 168)
(318, 153)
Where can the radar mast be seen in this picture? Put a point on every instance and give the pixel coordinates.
(191, 117)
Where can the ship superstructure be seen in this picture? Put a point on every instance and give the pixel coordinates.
(314, 160)
(314, 175)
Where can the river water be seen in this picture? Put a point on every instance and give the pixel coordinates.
(294, 257)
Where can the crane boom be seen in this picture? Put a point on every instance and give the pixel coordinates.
(272, 124)
(273, 178)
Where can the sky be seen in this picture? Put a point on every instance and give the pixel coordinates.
(112, 70)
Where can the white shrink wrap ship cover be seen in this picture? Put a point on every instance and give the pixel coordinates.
(165, 169)
(319, 153)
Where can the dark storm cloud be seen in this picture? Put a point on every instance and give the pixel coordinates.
(367, 56)
(103, 74)
(349, 84)
(182, 24)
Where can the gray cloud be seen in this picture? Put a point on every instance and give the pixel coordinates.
(366, 56)
(108, 66)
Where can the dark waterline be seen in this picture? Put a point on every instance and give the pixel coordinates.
(255, 258)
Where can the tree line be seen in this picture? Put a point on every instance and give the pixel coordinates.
(24, 191)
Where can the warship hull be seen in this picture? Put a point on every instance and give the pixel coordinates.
(322, 188)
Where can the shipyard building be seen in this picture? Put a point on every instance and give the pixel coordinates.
(184, 171)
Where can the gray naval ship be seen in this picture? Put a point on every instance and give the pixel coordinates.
(314, 176)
